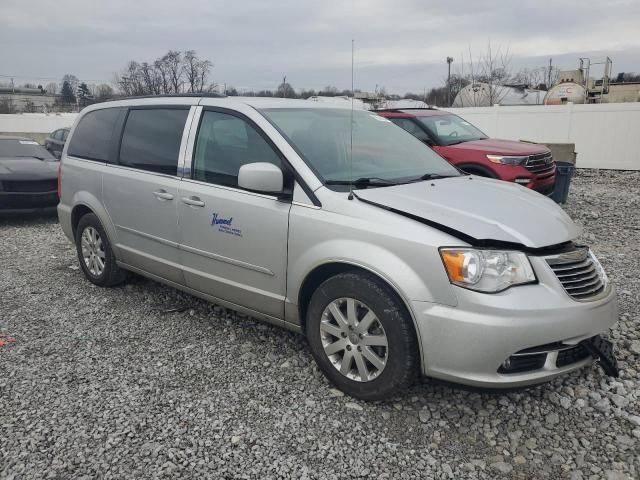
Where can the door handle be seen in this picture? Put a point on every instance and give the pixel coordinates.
(193, 201)
(163, 195)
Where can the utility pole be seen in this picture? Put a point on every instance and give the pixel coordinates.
(449, 62)
(549, 75)
(284, 86)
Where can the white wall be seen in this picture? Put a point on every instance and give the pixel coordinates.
(606, 135)
(35, 122)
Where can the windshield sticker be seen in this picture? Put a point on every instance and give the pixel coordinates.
(28, 142)
(381, 119)
(225, 225)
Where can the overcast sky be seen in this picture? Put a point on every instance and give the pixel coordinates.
(399, 44)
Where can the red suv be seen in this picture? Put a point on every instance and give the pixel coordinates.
(466, 147)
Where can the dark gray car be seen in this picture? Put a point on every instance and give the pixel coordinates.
(56, 140)
(28, 176)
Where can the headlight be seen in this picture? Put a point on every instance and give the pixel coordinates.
(508, 159)
(487, 271)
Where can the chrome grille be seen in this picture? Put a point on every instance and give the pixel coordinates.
(579, 274)
(540, 164)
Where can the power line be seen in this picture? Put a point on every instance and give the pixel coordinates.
(30, 77)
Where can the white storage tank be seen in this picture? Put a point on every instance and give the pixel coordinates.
(565, 93)
(480, 94)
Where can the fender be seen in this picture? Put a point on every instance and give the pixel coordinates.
(395, 271)
(90, 201)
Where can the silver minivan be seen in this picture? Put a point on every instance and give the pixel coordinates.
(339, 225)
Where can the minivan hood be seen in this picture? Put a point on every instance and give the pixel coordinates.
(502, 147)
(480, 210)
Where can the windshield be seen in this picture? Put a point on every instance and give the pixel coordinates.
(12, 147)
(450, 129)
(382, 151)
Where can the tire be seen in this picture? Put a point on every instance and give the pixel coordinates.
(399, 358)
(110, 274)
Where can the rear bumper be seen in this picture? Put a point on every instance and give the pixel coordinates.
(468, 343)
(13, 202)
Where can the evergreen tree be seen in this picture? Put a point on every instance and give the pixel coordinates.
(67, 94)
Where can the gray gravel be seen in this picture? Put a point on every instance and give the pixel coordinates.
(105, 383)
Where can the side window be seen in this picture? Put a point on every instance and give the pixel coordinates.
(224, 144)
(56, 135)
(65, 134)
(410, 126)
(151, 139)
(92, 137)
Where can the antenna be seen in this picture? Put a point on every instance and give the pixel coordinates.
(350, 197)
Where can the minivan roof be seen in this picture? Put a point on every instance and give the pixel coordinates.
(256, 102)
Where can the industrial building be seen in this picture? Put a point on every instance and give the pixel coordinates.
(26, 99)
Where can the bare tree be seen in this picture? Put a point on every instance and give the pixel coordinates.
(487, 77)
(130, 81)
(196, 71)
(173, 63)
(494, 67)
(174, 72)
(103, 92)
(540, 77)
(150, 79)
(72, 80)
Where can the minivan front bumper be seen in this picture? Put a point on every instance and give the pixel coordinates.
(470, 342)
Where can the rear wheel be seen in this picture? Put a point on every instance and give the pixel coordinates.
(95, 254)
(361, 336)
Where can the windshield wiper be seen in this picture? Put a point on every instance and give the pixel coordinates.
(29, 156)
(431, 176)
(363, 182)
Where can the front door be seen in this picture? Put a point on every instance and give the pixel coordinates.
(141, 191)
(233, 242)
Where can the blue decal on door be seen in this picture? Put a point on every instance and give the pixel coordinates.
(224, 225)
(216, 220)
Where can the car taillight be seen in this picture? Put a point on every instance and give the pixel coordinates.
(59, 179)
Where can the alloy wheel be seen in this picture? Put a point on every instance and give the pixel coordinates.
(93, 252)
(353, 339)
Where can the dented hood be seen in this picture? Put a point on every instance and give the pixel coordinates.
(479, 209)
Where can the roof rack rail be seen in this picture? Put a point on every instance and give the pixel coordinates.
(165, 95)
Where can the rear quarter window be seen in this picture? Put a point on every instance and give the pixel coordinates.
(92, 138)
(151, 139)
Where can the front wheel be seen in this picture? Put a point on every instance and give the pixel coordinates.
(362, 337)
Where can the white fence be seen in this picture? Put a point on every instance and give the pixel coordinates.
(606, 135)
(35, 122)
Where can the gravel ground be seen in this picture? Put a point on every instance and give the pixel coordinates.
(108, 383)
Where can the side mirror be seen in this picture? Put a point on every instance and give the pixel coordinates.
(261, 177)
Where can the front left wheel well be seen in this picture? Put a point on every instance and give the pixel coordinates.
(323, 272)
